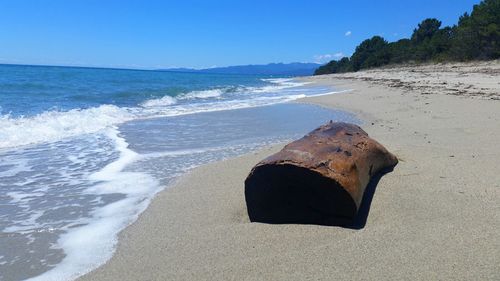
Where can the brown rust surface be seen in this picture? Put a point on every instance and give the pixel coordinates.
(314, 174)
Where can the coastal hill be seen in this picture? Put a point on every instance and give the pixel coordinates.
(291, 69)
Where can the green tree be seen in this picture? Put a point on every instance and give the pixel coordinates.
(486, 18)
(370, 53)
(330, 67)
(423, 46)
(400, 51)
(477, 35)
(425, 30)
(465, 42)
(343, 65)
(441, 43)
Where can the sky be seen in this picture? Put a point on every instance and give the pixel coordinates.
(200, 34)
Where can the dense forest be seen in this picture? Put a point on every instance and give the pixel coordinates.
(475, 37)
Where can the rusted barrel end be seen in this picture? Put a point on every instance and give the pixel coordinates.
(318, 179)
(292, 194)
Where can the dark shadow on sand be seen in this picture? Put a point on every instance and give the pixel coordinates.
(361, 217)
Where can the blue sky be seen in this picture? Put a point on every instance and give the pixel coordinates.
(159, 34)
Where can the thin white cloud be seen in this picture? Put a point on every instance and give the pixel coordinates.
(328, 57)
(348, 33)
(322, 58)
(338, 55)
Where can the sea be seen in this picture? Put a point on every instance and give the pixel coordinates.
(83, 151)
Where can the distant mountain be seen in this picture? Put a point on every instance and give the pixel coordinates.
(291, 69)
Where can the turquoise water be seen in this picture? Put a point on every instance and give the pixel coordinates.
(83, 151)
(30, 90)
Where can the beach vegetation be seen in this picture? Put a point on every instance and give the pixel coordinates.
(476, 36)
(370, 53)
(340, 66)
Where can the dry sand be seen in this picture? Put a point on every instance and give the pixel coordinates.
(478, 79)
(435, 217)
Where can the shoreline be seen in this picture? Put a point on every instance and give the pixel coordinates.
(434, 217)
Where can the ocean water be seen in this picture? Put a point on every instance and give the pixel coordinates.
(83, 151)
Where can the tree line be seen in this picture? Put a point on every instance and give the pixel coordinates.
(475, 37)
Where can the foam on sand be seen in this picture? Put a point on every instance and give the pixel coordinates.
(89, 246)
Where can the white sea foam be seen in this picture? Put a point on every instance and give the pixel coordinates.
(220, 106)
(331, 93)
(55, 125)
(286, 82)
(168, 100)
(278, 84)
(212, 93)
(16, 166)
(86, 247)
(164, 101)
(181, 152)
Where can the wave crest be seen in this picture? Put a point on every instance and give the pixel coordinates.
(55, 125)
(212, 93)
(164, 101)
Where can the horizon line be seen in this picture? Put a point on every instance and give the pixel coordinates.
(143, 69)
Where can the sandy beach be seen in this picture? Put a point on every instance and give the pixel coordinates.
(435, 217)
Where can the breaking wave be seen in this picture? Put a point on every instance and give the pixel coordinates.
(55, 125)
